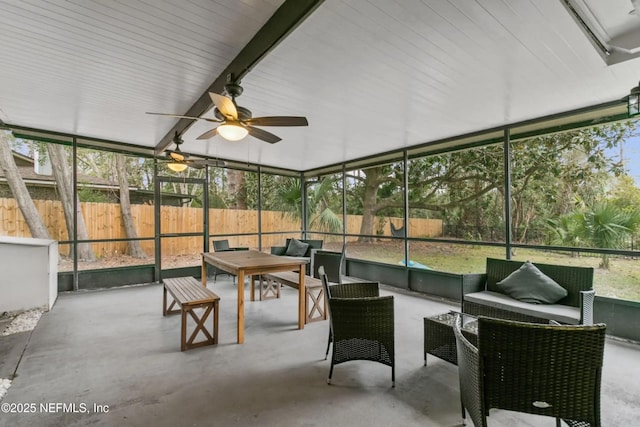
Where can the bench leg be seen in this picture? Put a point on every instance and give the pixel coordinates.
(270, 290)
(200, 326)
(183, 330)
(168, 310)
(316, 303)
(164, 300)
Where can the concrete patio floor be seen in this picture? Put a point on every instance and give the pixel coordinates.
(114, 349)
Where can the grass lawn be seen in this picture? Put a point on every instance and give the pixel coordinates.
(622, 280)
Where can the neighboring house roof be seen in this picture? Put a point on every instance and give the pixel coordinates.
(26, 168)
(30, 176)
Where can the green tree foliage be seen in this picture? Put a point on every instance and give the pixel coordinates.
(626, 195)
(322, 214)
(373, 192)
(86, 194)
(549, 175)
(217, 186)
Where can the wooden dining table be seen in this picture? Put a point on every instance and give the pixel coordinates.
(252, 263)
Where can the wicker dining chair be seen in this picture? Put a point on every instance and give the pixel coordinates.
(552, 370)
(223, 246)
(347, 290)
(361, 327)
(333, 263)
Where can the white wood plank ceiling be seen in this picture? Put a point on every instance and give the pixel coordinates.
(93, 67)
(370, 75)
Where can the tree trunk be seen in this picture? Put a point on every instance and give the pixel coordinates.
(135, 250)
(369, 204)
(21, 193)
(236, 189)
(64, 179)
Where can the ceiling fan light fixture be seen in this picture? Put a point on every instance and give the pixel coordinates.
(633, 102)
(232, 132)
(177, 167)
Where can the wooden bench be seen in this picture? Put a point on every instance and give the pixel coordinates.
(315, 302)
(189, 294)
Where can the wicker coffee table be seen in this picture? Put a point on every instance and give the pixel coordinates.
(438, 335)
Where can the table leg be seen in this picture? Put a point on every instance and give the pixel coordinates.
(204, 273)
(240, 306)
(302, 296)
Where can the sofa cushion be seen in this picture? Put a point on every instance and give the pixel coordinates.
(529, 284)
(561, 313)
(296, 248)
(313, 244)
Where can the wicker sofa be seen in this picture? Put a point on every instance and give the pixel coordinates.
(313, 245)
(482, 296)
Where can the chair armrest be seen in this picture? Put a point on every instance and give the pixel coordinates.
(239, 249)
(278, 250)
(472, 283)
(586, 306)
(469, 373)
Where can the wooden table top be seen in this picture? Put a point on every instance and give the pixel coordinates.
(251, 259)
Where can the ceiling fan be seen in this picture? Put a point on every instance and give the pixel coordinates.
(236, 122)
(177, 161)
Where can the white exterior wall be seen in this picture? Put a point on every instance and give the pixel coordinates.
(28, 273)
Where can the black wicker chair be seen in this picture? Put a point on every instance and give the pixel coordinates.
(360, 290)
(333, 263)
(223, 246)
(552, 370)
(361, 324)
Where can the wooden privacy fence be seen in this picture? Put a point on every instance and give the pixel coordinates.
(104, 221)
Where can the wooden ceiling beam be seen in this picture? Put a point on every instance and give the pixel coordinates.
(288, 16)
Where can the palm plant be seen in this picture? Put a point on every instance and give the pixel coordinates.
(290, 197)
(565, 230)
(607, 226)
(603, 226)
(320, 216)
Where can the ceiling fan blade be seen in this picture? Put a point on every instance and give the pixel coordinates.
(178, 116)
(263, 135)
(277, 121)
(209, 134)
(176, 156)
(195, 165)
(224, 105)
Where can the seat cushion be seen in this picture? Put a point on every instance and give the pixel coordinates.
(529, 284)
(296, 248)
(561, 313)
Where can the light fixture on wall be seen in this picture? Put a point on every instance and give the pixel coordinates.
(232, 131)
(633, 101)
(177, 167)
